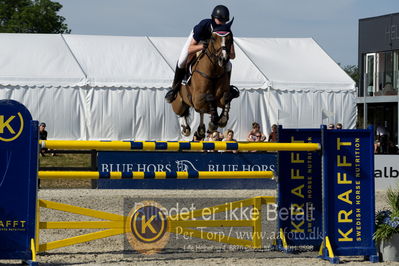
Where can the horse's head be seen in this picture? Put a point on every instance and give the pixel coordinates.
(220, 43)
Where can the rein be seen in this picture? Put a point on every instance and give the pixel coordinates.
(212, 57)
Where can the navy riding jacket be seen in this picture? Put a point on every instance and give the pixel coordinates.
(203, 30)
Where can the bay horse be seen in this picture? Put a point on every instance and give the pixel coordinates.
(209, 87)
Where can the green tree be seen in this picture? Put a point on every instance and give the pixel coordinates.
(31, 16)
(353, 72)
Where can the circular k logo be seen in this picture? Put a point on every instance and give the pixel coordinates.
(147, 228)
(11, 127)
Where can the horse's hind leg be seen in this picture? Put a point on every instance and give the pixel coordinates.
(185, 127)
(182, 110)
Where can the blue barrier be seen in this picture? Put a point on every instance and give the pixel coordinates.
(300, 190)
(348, 189)
(18, 181)
(187, 161)
(324, 199)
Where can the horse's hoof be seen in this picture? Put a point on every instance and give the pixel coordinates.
(223, 121)
(201, 132)
(212, 126)
(186, 131)
(222, 125)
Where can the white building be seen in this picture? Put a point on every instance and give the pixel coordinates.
(111, 87)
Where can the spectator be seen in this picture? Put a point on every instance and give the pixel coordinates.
(208, 135)
(42, 136)
(215, 136)
(255, 131)
(382, 138)
(273, 134)
(376, 146)
(392, 148)
(229, 136)
(330, 126)
(221, 136)
(338, 126)
(259, 137)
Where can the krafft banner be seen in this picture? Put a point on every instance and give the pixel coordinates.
(348, 186)
(187, 161)
(18, 180)
(300, 190)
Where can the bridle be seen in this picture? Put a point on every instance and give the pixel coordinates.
(217, 56)
(221, 54)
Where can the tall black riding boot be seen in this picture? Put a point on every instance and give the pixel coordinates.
(234, 92)
(172, 93)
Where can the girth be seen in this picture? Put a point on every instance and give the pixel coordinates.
(209, 77)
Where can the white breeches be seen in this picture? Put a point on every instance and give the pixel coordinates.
(181, 63)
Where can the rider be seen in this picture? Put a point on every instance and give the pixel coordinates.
(197, 41)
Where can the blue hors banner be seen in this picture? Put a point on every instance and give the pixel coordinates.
(18, 180)
(349, 191)
(300, 190)
(186, 161)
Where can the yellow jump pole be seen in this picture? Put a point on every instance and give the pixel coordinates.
(175, 145)
(154, 175)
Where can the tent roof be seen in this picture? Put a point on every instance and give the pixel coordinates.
(37, 59)
(56, 60)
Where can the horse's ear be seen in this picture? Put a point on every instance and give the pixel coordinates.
(228, 24)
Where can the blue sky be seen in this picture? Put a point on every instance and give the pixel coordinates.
(332, 23)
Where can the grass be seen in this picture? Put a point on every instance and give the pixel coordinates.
(65, 160)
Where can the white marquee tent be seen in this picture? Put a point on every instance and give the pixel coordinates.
(113, 87)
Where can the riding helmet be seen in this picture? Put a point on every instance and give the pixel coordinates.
(221, 12)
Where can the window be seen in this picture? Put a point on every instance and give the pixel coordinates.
(396, 70)
(381, 73)
(385, 74)
(369, 74)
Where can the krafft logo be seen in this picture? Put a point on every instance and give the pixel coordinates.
(147, 228)
(11, 127)
(12, 225)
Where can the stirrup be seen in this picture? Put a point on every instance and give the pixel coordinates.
(187, 78)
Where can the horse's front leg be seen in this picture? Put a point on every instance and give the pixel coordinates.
(213, 124)
(185, 127)
(225, 104)
(224, 117)
(201, 127)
